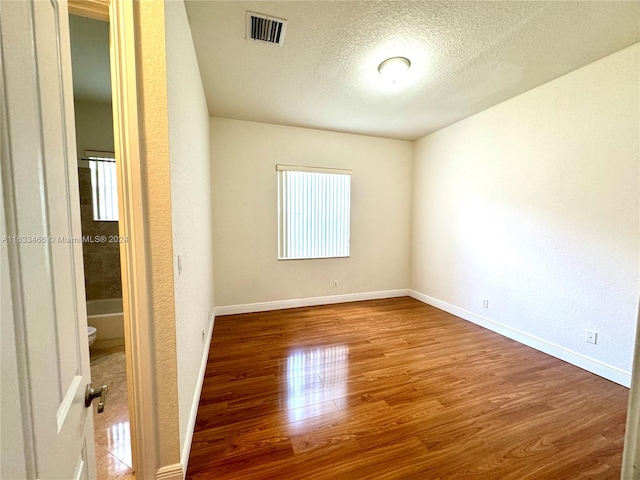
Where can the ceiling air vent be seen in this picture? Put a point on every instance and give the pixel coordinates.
(265, 29)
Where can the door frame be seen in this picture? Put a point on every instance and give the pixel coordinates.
(134, 253)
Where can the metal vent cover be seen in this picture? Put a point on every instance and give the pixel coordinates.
(263, 28)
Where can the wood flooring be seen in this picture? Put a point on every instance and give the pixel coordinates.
(395, 388)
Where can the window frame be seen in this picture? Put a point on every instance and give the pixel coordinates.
(281, 254)
(92, 157)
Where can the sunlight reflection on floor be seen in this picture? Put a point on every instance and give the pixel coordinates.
(112, 429)
(315, 378)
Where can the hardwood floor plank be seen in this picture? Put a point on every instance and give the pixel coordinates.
(396, 389)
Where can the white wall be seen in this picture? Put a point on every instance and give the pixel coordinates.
(191, 214)
(533, 205)
(94, 126)
(244, 156)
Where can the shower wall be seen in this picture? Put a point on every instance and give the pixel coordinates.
(94, 131)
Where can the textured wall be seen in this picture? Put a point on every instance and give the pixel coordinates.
(191, 209)
(244, 156)
(94, 131)
(155, 160)
(533, 204)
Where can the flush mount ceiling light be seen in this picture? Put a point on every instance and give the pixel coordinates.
(394, 68)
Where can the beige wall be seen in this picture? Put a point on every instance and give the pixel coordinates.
(94, 126)
(191, 213)
(156, 171)
(533, 205)
(244, 156)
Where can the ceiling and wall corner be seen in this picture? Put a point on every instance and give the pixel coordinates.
(465, 57)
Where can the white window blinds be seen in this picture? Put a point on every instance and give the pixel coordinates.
(104, 187)
(314, 212)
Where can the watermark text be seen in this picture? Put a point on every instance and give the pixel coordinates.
(64, 239)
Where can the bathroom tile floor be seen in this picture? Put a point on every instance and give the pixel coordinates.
(112, 433)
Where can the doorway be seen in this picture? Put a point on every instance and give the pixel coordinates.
(101, 241)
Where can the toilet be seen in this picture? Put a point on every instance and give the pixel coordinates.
(93, 334)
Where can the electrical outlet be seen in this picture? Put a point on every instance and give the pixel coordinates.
(179, 264)
(485, 303)
(335, 284)
(592, 337)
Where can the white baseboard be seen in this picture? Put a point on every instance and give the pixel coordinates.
(308, 302)
(186, 448)
(597, 367)
(170, 472)
(604, 370)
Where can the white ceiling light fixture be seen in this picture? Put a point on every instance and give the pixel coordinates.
(394, 68)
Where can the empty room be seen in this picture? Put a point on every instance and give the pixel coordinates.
(493, 246)
(357, 239)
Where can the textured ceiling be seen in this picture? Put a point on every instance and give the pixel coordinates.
(90, 59)
(466, 57)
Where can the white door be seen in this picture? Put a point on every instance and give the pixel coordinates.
(47, 433)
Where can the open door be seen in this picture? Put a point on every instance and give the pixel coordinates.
(47, 431)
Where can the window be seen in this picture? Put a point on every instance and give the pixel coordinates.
(314, 206)
(104, 189)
